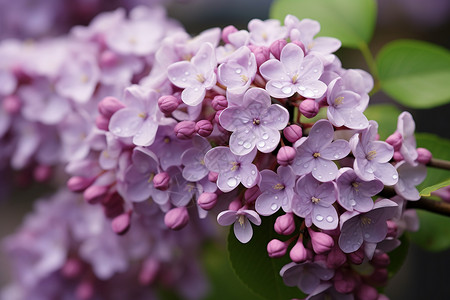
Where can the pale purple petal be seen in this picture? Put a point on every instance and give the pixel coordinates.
(125, 122)
(325, 217)
(243, 232)
(252, 216)
(193, 95)
(226, 218)
(386, 173)
(180, 74)
(336, 150)
(351, 237)
(267, 204)
(145, 136)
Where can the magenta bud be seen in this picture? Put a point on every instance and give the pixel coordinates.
(204, 128)
(381, 260)
(301, 45)
(212, 176)
(424, 156)
(84, 290)
(251, 194)
(357, 257)
(321, 242)
(108, 59)
(262, 54)
(219, 103)
(121, 223)
(309, 108)
(366, 292)
(161, 181)
(149, 271)
(72, 268)
(168, 104)
(286, 155)
(298, 253)
(235, 204)
(227, 31)
(78, 183)
(101, 122)
(336, 258)
(95, 193)
(292, 133)
(276, 47)
(176, 218)
(285, 224)
(395, 140)
(392, 229)
(185, 130)
(42, 173)
(344, 282)
(11, 104)
(277, 248)
(207, 201)
(216, 116)
(379, 277)
(108, 106)
(398, 156)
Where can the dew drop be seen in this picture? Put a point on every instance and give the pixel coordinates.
(301, 88)
(319, 218)
(314, 169)
(394, 176)
(183, 79)
(315, 91)
(261, 144)
(272, 140)
(286, 90)
(367, 235)
(117, 130)
(301, 68)
(247, 145)
(274, 207)
(276, 197)
(330, 173)
(238, 71)
(352, 202)
(336, 156)
(277, 85)
(196, 89)
(330, 219)
(315, 70)
(320, 176)
(240, 143)
(186, 73)
(370, 170)
(305, 166)
(265, 136)
(253, 172)
(231, 182)
(249, 181)
(174, 78)
(246, 131)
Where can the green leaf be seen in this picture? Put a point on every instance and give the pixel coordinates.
(415, 73)
(350, 21)
(386, 116)
(255, 268)
(434, 232)
(427, 191)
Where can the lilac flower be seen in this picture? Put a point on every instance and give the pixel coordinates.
(316, 152)
(314, 202)
(342, 106)
(294, 73)
(328, 291)
(264, 33)
(193, 159)
(255, 122)
(372, 157)
(238, 72)
(307, 276)
(196, 76)
(9, 82)
(406, 127)
(369, 227)
(241, 219)
(277, 191)
(409, 176)
(232, 168)
(355, 193)
(181, 190)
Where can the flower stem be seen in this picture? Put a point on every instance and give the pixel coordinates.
(439, 163)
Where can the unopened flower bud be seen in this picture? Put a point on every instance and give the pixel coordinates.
(212, 176)
(121, 223)
(277, 248)
(336, 258)
(392, 229)
(113, 205)
(84, 290)
(176, 218)
(321, 242)
(168, 104)
(226, 32)
(276, 47)
(235, 204)
(262, 54)
(108, 59)
(366, 292)
(95, 193)
(423, 156)
(207, 201)
(298, 253)
(379, 277)
(395, 140)
(301, 45)
(219, 102)
(380, 260)
(11, 104)
(286, 155)
(217, 116)
(398, 156)
(78, 183)
(42, 173)
(204, 128)
(72, 268)
(101, 122)
(344, 282)
(292, 133)
(309, 108)
(357, 257)
(161, 181)
(149, 271)
(185, 130)
(285, 224)
(108, 106)
(251, 194)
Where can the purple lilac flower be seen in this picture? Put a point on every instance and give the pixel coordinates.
(232, 169)
(406, 127)
(241, 219)
(277, 191)
(316, 152)
(196, 76)
(255, 122)
(369, 227)
(313, 200)
(328, 291)
(294, 72)
(409, 176)
(307, 276)
(372, 157)
(193, 159)
(355, 193)
(264, 33)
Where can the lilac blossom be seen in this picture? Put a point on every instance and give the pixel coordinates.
(255, 123)
(277, 191)
(193, 159)
(232, 169)
(369, 227)
(328, 291)
(264, 33)
(372, 157)
(406, 127)
(313, 200)
(409, 176)
(294, 72)
(196, 76)
(316, 152)
(241, 219)
(307, 276)
(355, 193)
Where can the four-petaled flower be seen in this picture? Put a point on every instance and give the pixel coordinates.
(241, 219)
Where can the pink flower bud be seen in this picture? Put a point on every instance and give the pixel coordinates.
(321, 242)
(207, 201)
(301, 45)
(398, 156)
(176, 218)
(262, 54)
(292, 133)
(251, 194)
(298, 253)
(366, 292)
(227, 31)
(285, 224)
(395, 140)
(219, 103)
(108, 106)
(357, 257)
(309, 108)
(149, 271)
(235, 204)
(161, 181)
(168, 104)
(443, 193)
(204, 128)
(392, 229)
(276, 47)
(344, 282)
(108, 59)
(85, 290)
(11, 104)
(212, 176)
(113, 205)
(95, 193)
(381, 260)
(101, 122)
(216, 116)
(277, 248)
(72, 268)
(42, 173)
(121, 223)
(185, 130)
(286, 155)
(336, 258)
(78, 183)
(423, 156)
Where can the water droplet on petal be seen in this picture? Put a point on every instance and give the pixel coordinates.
(301, 88)
(247, 145)
(174, 78)
(238, 71)
(394, 176)
(253, 172)
(117, 130)
(246, 131)
(305, 166)
(240, 143)
(186, 73)
(261, 144)
(320, 176)
(265, 136)
(336, 156)
(370, 170)
(250, 181)
(232, 182)
(315, 91)
(183, 79)
(330, 219)
(286, 90)
(352, 202)
(366, 235)
(274, 207)
(319, 218)
(276, 197)
(196, 89)
(315, 70)
(314, 169)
